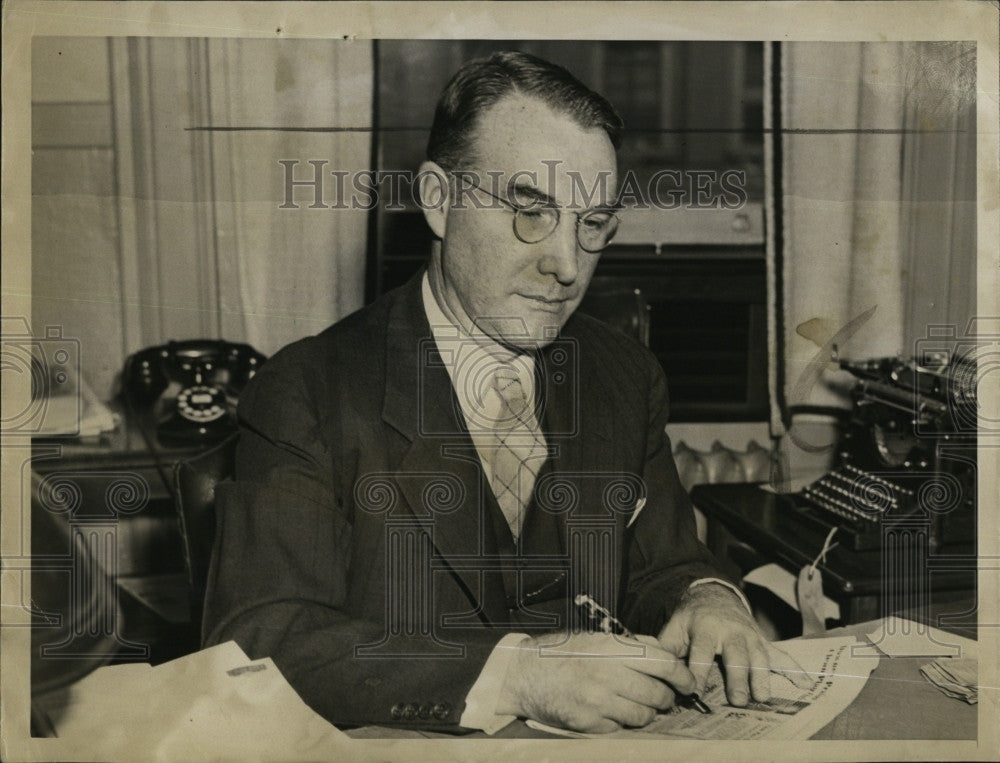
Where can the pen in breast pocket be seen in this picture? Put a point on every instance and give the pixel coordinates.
(599, 616)
(608, 623)
(639, 506)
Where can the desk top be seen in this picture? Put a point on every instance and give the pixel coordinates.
(125, 447)
(897, 702)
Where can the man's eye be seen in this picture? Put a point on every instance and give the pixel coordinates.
(531, 213)
(597, 222)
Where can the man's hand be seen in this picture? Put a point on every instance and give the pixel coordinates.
(592, 682)
(711, 620)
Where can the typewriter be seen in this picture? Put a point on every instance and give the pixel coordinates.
(907, 453)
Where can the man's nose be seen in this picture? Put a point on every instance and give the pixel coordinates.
(561, 251)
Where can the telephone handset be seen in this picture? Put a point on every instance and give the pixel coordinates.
(190, 388)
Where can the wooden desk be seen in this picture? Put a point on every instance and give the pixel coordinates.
(899, 703)
(866, 584)
(896, 703)
(149, 543)
(106, 502)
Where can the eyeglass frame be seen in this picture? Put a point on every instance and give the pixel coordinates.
(558, 210)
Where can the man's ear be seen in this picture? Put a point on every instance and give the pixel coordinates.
(435, 199)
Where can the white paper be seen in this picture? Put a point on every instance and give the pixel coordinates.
(72, 408)
(781, 583)
(956, 677)
(792, 713)
(216, 703)
(898, 637)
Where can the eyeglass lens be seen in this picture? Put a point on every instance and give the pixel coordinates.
(593, 231)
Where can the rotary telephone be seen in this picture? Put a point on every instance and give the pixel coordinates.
(190, 388)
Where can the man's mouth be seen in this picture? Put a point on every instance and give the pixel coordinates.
(552, 305)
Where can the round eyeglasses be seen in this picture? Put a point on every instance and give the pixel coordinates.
(537, 220)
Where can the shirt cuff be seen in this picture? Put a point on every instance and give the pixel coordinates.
(481, 701)
(727, 584)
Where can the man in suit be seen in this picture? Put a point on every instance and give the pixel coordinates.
(425, 489)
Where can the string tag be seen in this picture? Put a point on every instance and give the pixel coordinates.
(809, 591)
(821, 556)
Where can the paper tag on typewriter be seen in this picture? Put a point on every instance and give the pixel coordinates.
(809, 592)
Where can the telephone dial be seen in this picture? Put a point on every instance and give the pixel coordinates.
(189, 388)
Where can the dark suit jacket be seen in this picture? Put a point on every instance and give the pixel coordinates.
(358, 545)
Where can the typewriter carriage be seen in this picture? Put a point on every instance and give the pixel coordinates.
(906, 453)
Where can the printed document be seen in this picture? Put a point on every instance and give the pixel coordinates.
(837, 674)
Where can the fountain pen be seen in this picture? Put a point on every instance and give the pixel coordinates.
(608, 623)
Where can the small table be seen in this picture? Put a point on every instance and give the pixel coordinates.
(866, 584)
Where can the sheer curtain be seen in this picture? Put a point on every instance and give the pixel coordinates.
(201, 129)
(287, 272)
(878, 176)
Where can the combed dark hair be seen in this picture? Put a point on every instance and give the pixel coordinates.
(480, 83)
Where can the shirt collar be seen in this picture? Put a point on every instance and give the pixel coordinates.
(469, 359)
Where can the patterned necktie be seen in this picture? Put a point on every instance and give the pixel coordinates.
(519, 448)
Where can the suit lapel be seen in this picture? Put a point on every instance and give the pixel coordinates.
(439, 474)
(580, 428)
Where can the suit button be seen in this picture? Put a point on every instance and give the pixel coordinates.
(442, 710)
(397, 711)
(410, 711)
(425, 711)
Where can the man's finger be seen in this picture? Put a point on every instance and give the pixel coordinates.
(628, 713)
(598, 726)
(700, 658)
(648, 691)
(736, 660)
(667, 667)
(784, 663)
(646, 641)
(760, 672)
(674, 637)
